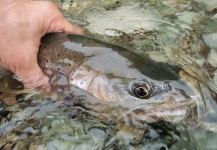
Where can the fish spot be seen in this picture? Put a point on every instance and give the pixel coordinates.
(58, 68)
(167, 87)
(117, 2)
(58, 55)
(163, 148)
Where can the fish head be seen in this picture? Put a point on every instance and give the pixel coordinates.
(170, 100)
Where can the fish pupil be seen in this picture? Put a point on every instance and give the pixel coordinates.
(141, 92)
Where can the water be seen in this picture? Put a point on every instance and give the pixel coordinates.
(178, 32)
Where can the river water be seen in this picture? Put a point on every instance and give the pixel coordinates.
(182, 33)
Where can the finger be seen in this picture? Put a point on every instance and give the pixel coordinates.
(69, 28)
(54, 20)
(61, 24)
(33, 77)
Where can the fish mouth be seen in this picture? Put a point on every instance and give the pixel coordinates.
(168, 110)
(174, 114)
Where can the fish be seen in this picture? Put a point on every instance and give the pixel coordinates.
(137, 89)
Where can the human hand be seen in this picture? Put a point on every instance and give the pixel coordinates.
(23, 23)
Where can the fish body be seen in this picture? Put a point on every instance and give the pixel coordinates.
(115, 75)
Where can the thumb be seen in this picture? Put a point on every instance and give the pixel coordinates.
(67, 27)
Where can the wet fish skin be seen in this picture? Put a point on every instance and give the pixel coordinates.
(108, 71)
(105, 70)
(78, 55)
(53, 44)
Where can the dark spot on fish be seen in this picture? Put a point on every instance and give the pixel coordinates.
(167, 87)
(71, 79)
(58, 55)
(117, 2)
(47, 61)
(163, 148)
(58, 68)
(182, 92)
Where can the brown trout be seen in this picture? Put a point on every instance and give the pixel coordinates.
(142, 89)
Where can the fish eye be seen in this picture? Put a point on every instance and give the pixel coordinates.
(141, 89)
